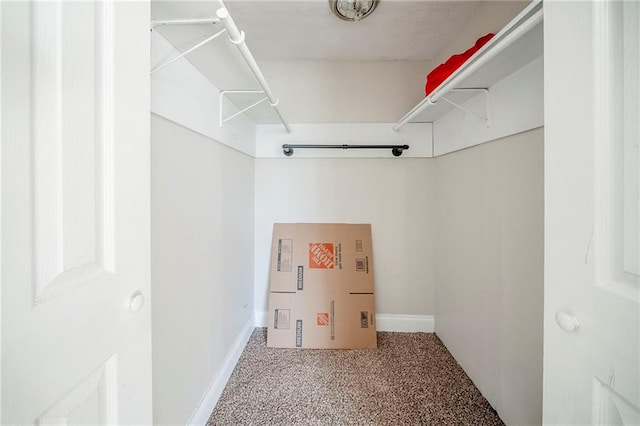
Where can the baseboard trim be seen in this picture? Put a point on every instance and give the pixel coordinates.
(210, 399)
(262, 319)
(405, 323)
(385, 322)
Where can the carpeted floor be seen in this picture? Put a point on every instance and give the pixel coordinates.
(411, 379)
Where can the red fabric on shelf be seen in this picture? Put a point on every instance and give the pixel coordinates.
(443, 71)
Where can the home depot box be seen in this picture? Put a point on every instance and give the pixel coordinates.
(321, 287)
(330, 320)
(327, 254)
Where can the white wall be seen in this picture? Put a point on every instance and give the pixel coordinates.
(202, 195)
(202, 237)
(346, 91)
(395, 195)
(489, 257)
(489, 253)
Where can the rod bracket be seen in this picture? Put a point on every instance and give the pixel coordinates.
(239, 40)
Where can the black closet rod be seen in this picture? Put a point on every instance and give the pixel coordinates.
(396, 150)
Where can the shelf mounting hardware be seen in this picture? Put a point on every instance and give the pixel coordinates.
(186, 52)
(224, 93)
(486, 101)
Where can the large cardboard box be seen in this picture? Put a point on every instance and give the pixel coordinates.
(321, 287)
(321, 254)
(324, 321)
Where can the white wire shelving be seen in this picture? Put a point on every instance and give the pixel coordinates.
(237, 38)
(516, 45)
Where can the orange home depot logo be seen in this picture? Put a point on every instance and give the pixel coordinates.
(322, 318)
(321, 255)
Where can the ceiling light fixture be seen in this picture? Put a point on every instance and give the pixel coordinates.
(352, 10)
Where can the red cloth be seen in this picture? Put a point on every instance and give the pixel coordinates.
(443, 71)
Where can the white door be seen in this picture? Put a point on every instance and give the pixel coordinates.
(76, 348)
(592, 213)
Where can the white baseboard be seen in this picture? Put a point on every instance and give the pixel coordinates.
(405, 323)
(384, 322)
(262, 319)
(210, 399)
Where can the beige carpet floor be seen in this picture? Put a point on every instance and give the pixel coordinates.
(411, 379)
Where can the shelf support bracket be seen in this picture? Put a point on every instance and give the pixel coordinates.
(224, 93)
(191, 49)
(486, 117)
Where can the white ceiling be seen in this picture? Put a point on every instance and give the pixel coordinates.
(306, 29)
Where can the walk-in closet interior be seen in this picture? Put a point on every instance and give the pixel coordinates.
(457, 218)
(149, 147)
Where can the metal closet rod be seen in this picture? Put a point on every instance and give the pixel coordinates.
(396, 150)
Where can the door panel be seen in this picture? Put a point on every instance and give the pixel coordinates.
(73, 152)
(616, 295)
(616, 45)
(92, 401)
(75, 213)
(625, 27)
(592, 360)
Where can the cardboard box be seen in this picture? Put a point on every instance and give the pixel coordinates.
(326, 321)
(321, 287)
(307, 255)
